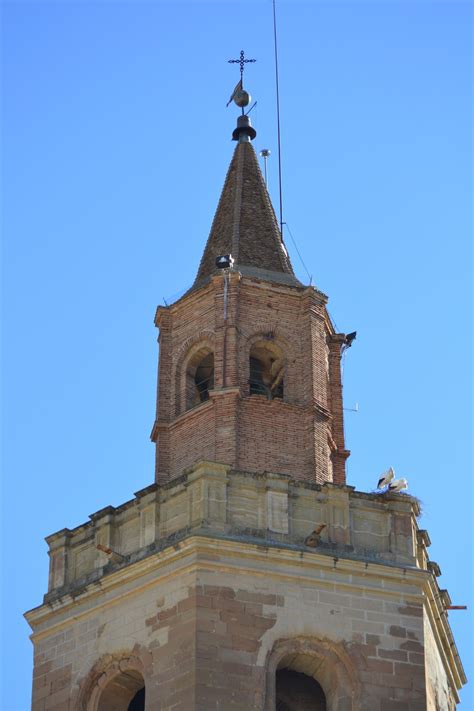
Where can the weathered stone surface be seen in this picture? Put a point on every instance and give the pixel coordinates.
(209, 631)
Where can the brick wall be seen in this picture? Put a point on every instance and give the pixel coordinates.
(302, 434)
(274, 436)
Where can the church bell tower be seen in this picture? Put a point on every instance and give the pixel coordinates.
(249, 576)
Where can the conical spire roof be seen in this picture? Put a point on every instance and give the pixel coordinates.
(245, 226)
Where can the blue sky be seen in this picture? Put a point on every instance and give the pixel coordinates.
(116, 141)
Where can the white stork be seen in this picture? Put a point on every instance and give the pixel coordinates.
(386, 478)
(397, 485)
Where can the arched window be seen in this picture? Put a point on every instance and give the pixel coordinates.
(124, 692)
(313, 667)
(266, 370)
(296, 691)
(199, 377)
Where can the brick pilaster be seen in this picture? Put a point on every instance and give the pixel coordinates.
(340, 455)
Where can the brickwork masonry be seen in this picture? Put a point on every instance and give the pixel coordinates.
(300, 435)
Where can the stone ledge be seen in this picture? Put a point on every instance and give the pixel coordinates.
(228, 550)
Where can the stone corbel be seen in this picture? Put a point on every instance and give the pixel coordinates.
(434, 568)
(423, 538)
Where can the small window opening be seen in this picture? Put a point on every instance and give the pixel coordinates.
(296, 691)
(267, 370)
(199, 378)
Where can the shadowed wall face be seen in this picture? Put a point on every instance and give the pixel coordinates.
(298, 692)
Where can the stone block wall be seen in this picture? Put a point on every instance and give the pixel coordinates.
(204, 587)
(208, 623)
(151, 630)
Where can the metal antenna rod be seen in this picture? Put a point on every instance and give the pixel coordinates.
(278, 116)
(225, 293)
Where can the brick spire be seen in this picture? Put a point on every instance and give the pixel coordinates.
(245, 224)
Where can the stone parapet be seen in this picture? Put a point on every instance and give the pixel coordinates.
(212, 499)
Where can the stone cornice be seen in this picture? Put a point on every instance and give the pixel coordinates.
(265, 558)
(443, 635)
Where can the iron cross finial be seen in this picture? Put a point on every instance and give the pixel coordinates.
(242, 61)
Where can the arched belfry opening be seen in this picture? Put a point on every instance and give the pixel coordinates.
(310, 674)
(125, 692)
(266, 369)
(296, 691)
(199, 377)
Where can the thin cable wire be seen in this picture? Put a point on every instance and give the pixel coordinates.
(278, 115)
(310, 277)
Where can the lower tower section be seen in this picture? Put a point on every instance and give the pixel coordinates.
(211, 593)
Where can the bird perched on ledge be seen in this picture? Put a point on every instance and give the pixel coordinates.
(313, 539)
(386, 478)
(397, 485)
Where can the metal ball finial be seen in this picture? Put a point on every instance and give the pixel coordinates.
(242, 98)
